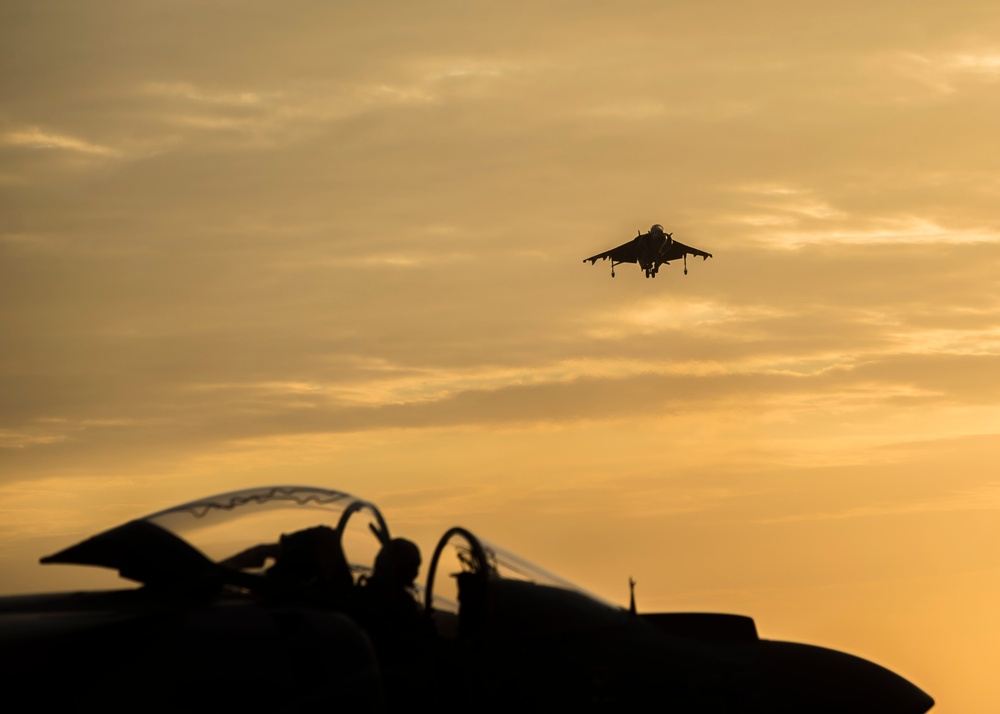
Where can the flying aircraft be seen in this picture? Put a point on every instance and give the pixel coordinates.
(211, 627)
(650, 250)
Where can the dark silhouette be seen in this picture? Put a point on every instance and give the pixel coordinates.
(396, 568)
(385, 601)
(386, 606)
(650, 251)
(309, 568)
(202, 636)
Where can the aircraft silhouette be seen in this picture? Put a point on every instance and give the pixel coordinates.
(650, 250)
(208, 633)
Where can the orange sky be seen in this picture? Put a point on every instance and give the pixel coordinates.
(339, 244)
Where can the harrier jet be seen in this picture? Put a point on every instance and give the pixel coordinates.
(650, 251)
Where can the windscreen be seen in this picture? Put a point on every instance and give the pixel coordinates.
(460, 552)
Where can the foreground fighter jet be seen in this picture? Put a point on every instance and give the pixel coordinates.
(211, 629)
(650, 251)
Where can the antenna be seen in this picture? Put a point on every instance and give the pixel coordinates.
(631, 595)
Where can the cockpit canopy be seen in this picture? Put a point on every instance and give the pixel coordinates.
(222, 525)
(656, 229)
(198, 539)
(193, 541)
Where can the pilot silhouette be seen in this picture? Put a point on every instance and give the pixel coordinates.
(385, 605)
(389, 589)
(309, 567)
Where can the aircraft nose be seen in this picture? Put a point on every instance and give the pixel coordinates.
(799, 678)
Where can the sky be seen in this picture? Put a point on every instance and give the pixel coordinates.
(340, 244)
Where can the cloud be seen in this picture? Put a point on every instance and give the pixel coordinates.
(36, 138)
(987, 63)
(185, 90)
(891, 230)
(791, 217)
(301, 110)
(946, 73)
(670, 315)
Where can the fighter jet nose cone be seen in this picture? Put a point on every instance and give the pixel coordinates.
(805, 678)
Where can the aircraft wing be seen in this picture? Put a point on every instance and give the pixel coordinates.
(625, 253)
(676, 250)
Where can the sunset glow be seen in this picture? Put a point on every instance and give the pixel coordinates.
(340, 244)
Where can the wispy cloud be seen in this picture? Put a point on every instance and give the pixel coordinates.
(790, 216)
(833, 226)
(36, 138)
(983, 63)
(944, 73)
(668, 314)
(888, 230)
(25, 438)
(53, 430)
(299, 109)
(201, 95)
(982, 341)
